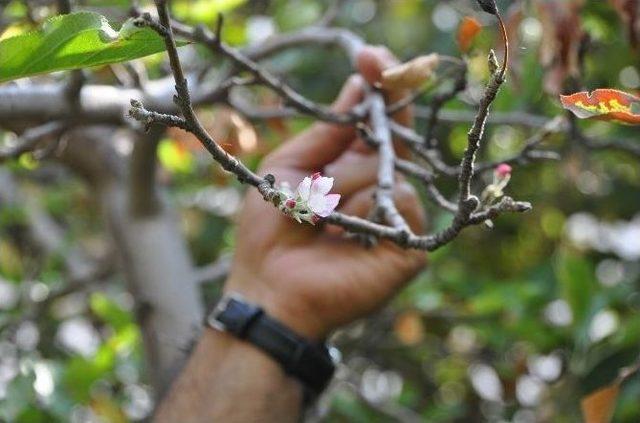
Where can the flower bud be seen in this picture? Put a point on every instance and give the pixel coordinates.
(503, 171)
(290, 203)
(488, 6)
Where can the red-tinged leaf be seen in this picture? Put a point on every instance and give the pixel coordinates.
(598, 407)
(467, 31)
(604, 104)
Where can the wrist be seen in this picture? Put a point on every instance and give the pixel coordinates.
(230, 371)
(310, 362)
(291, 312)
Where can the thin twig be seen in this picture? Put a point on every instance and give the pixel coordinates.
(30, 140)
(291, 97)
(465, 215)
(496, 118)
(459, 85)
(408, 168)
(190, 121)
(627, 146)
(331, 13)
(415, 142)
(474, 136)
(215, 271)
(385, 206)
(529, 152)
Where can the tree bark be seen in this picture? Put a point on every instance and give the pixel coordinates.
(157, 266)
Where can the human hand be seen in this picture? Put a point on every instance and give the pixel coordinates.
(310, 277)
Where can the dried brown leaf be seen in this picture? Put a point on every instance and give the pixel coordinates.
(562, 36)
(629, 12)
(467, 31)
(410, 75)
(408, 328)
(598, 406)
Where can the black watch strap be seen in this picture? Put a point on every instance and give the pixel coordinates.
(310, 362)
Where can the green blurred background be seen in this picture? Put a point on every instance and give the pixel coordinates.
(515, 323)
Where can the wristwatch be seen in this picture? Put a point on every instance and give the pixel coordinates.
(311, 363)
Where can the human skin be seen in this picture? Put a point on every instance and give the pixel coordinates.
(311, 278)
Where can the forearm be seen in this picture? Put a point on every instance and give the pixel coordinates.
(232, 381)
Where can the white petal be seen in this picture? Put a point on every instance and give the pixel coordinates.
(331, 202)
(317, 203)
(304, 189)
(322, 185)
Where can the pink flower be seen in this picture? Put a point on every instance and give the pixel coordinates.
(314, 191)
(503, 170)
(311, 201)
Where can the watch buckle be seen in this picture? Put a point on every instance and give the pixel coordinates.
(220, 308)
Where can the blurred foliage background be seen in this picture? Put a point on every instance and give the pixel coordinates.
(516, 323)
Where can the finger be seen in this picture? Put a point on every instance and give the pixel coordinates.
(361, 203)
(387, 255)
(352, 172)
(323, 142)
(371, 62)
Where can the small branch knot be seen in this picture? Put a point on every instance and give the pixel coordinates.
(136, 104)
(470, 204)
(200, 32)
(270, 179)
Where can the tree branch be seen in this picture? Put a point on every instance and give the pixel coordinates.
(291, 97)
(30, 140)
(385, 206)
(382, 128)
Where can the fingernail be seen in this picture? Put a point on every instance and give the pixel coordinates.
(356, 80)
(387, 58)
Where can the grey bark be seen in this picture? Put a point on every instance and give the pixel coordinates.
(157, 267)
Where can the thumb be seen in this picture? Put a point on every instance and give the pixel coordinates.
(371, 62)
(323, 142)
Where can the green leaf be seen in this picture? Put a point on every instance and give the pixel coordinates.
(577, 281)
(74, 41)
(109, 311)
(204, 10)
